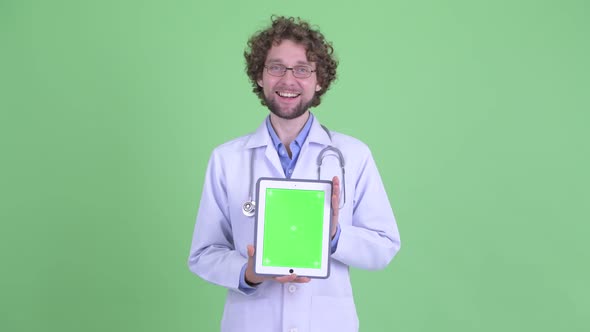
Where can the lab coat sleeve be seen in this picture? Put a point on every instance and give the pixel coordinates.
(372, 239)
(213, 256)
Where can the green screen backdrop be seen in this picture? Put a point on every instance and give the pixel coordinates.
(476, 112)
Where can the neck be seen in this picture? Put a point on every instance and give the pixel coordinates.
(287, 130)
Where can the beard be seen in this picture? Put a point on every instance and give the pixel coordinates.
(287, 114)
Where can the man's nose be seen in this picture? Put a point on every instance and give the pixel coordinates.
(289, 75)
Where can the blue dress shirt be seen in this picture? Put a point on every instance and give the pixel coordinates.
(288, 163)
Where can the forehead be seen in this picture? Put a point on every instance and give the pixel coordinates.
(287, 52)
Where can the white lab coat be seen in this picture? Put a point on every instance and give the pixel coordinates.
(369, 236)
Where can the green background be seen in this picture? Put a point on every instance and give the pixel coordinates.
(288, 247)
(476, 113)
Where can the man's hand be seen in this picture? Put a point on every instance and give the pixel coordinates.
(335, 206)
(253, 279)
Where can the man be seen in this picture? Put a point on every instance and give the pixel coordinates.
(291, 66)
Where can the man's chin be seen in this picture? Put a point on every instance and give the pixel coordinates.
(289, 114)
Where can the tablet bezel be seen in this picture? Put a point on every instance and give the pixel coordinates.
(294, 184)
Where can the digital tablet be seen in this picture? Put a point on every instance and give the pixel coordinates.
(292, 233)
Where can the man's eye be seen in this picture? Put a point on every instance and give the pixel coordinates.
(302, 70)
(276, 68)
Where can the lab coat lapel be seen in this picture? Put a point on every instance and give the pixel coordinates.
(317, 139)
(272, 157)
(261, 138)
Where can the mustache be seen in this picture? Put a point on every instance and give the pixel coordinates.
(284, 88)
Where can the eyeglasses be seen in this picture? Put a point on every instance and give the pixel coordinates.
(280, 70)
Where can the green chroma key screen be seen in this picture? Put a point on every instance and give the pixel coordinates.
(293, 221)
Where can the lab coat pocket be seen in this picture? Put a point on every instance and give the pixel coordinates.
(331, 313)
(248, 316)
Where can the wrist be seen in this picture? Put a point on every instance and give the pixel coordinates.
(251, 283)
(334, 231)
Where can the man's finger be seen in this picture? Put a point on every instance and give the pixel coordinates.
(302, 280)
(335, 195)
(289, 278)
(250, 250)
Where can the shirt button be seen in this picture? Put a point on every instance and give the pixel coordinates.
(290, 171)
(292, 288)
(282, 152)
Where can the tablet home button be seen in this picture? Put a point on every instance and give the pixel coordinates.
(293, 330)
(292, 288)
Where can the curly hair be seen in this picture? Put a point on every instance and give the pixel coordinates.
(319, 50)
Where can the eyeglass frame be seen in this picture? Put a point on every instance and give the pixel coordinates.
(292, 69)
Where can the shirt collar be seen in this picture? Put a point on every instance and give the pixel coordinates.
(299, 139)
(261, 137)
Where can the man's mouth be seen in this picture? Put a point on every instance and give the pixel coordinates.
(286, 94)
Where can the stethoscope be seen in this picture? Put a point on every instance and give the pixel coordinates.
(249, 207)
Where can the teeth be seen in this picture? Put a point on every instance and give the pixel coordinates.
(288, 94)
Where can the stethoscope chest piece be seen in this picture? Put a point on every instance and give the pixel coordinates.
(248, 208)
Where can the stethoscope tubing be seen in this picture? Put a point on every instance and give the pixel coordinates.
(249, 207)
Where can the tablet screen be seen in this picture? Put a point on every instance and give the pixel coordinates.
(293, 227)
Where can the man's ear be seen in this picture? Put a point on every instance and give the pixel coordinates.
(259, 82)
(317, 87)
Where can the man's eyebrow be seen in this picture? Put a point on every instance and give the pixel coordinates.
(305, 63)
